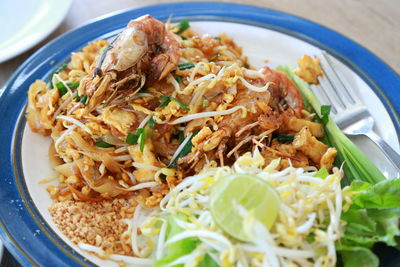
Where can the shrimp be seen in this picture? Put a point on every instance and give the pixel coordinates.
(144, 53)
(282, 89)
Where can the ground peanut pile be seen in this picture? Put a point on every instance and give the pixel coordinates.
(95, 223)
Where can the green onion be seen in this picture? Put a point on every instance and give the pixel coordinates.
(183, 26)
(217, 38)
(77, 98)
(83, 99)
(73, 85)
(357, 165)
(133, 138)
(62, 90)
(284, 138)
(183, 106)
(164, 101)
(325, 110)
(57, 70)
(142, 140)
(178, 79)
(185, 66)
(103, 144)
(151, 122)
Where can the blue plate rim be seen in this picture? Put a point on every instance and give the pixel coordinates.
(238, 13)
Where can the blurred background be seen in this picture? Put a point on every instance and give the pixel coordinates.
(27, 25)
(373, 24)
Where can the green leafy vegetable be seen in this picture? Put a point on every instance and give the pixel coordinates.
(183, 106)
(164, 101)
(284, 138)
(357, 256)
(103, 144)
(183, 26)
(178, 248)
(325, 110)
(133, 138)
(185, 66)
(151, 122)
(62, 90)
(357, 166)
(322, 173)
(207, 261)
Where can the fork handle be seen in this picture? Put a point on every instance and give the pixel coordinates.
(390, 153)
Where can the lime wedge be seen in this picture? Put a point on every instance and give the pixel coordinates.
(248, 191)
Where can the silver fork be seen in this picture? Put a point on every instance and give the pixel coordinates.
(347, 110)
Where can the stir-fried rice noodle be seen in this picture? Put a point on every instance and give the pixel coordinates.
(158, 115)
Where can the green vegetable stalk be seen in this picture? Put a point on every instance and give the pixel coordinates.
(374, 213)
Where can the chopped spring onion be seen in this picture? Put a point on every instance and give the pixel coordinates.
(151, 122)
(103, 144)
(164, 101)
(284, 138)
(62, 90)
(183, 106)
(209, 114)
(185, 66)
(183, 26)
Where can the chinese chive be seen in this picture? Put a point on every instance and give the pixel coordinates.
(151, 122)
(178, 79)
(83, 99)
(103, 144)
(62, 90)
(183, 106)
(73, 85)
(183, 26)
(57, 70)
(133, 138)
(185, 66)
(164, 101)
(284, 138)
(142, 140)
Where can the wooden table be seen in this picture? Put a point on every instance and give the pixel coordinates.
(373, 24)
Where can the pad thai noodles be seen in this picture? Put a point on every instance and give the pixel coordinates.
(157, 116)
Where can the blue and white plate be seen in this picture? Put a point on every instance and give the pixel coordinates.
(265, 35)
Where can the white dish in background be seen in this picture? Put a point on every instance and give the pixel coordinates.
(27, 22)
(282, 49)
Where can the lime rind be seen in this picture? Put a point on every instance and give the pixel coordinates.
(250, 192)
